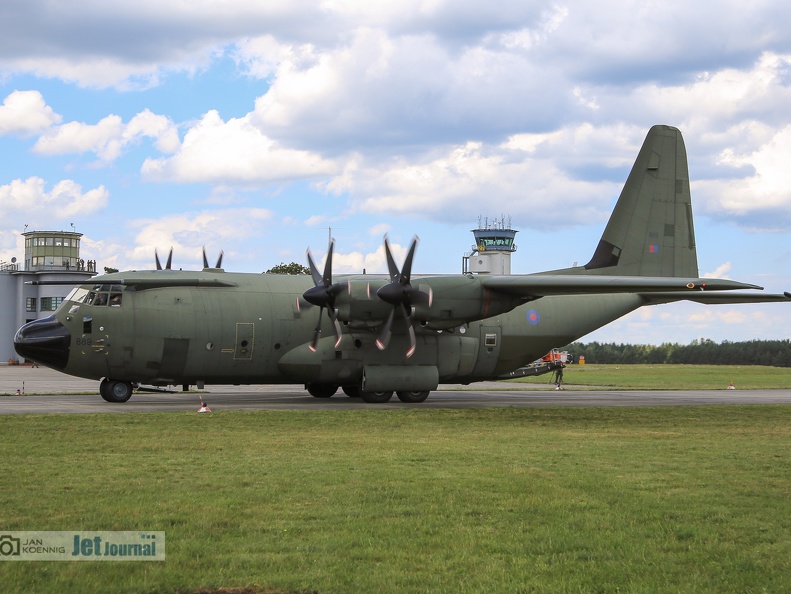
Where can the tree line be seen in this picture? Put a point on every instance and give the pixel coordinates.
(776, 353)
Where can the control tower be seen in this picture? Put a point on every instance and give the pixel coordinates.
(494, 244)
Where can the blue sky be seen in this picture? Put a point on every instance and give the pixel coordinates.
(254, 127)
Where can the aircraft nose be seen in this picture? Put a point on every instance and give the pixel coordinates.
(44, 341)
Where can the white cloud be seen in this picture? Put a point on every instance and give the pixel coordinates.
(720, 272)
(378, 89)
(109, 137)
(460, 182)
(100, 44)
(753, 183)
(26, 113)
(217, 151)
(187, 234)
(29, 199)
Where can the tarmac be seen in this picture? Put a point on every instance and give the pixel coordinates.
(44, 391)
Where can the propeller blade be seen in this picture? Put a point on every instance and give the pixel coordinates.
(156, 257)
(314, 272)
(400, 293)
(391, 265)
(205, 261)
(406, 271)
(412, 339)
(384, 338)
(327, 278)
(323, 294)
(219, 260)
(338, 331)
(170, 259)
(316, 333)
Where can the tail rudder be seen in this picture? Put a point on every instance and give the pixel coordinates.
(650, 232)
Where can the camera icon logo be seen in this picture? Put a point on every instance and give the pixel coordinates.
(9, 546)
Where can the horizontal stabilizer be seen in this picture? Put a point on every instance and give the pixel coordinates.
(541, 285)
(716, 298)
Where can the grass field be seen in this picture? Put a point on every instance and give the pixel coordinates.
(671, 499)
(671, 377)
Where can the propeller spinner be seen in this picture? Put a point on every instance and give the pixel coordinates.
(323, 295)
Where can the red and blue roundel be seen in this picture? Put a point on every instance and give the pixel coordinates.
(533, 317)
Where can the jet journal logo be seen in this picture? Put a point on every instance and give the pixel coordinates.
(82, 546)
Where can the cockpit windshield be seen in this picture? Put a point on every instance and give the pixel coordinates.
(97, 295)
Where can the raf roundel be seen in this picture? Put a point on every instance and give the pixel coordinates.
(533, 317)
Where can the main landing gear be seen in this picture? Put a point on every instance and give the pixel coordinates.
(408, 397)
(328, 390)
(115, 391)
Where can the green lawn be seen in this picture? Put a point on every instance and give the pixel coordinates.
(671, 377)
(670, 499)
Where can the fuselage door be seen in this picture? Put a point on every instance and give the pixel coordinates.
(245, 340)
(488, 350)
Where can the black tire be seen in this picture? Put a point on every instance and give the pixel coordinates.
(412, 397)
(376, 397)
(115, 391)
(321, 390)
(352, 391)
(103, 389)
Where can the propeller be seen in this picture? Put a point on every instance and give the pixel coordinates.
(400, 293)
(206, 262)
(323, 295)
(167, 264)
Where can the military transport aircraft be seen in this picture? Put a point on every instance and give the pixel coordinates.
(373, 335)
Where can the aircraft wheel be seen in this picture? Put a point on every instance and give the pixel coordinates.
(103, 389)
(376, 397)
(352, 391)
(321, 390)
(115, 391)
(412, 396)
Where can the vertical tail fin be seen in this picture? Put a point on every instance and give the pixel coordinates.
(650, 232)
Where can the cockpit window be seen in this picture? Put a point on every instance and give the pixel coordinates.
(98, 295)
(77, 295)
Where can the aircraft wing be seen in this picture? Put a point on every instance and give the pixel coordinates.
(542, 285)
(716, 298)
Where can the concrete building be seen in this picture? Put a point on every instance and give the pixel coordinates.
(49, 255)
